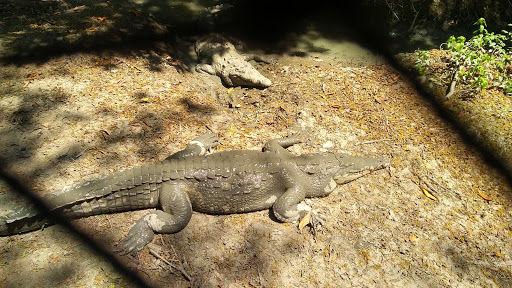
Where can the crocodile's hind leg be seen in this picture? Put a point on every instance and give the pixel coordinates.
(206, 68)
(278, 145)
(197, 147)
(290, 206)
(257, 58)
(175, 216)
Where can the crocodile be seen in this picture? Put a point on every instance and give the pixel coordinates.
(237, 181)
(219, 57)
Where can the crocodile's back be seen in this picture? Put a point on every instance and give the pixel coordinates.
(235, 182)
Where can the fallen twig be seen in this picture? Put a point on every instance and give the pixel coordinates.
(391, 9)
(416, 16)
(183, 272)
(374, 141)
(427, 183)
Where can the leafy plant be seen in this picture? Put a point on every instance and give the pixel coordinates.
(422, 62)
(483, 61)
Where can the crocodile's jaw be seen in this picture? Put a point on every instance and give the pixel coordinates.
(352, 168)
(251, 78)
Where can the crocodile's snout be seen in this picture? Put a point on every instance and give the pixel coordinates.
(358, 167)
(251, 77)
(264, 82)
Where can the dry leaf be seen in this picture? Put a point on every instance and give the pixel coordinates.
(380, 99)
(394, 79)
(136, 13)
(413, 237)
(305, 221)
(146, 122)
(74, 244)
(135, 67)
(34, 75)
(79, 8)
(91, 30)
(104, 62)
(429, 195)
(101, 19)
(485, 197)
(105, 131)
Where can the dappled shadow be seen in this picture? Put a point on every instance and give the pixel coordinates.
(465, 265)
(66, 270)
(192, 106)
(270, 27)
(38, 31)
(42, 114)
(242, 253)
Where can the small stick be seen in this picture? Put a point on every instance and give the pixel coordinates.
(398, 18)
(453, 83)
(185, 274)
(162, 239)
(374, 141)
(417, 13)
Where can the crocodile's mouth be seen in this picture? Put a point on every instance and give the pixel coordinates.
(359, 166)
(350, 175)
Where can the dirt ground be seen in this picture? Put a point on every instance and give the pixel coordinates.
(440, 216)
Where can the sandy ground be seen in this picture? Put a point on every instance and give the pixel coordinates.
(88, 115)
(440, 216)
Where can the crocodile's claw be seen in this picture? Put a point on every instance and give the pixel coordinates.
(138, 237)
(316, 221)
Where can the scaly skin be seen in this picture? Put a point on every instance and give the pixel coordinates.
(220, 183)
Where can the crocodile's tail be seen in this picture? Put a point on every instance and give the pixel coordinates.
(10, 225)
(132, 189)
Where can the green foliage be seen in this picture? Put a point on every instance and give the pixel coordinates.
(483, 61)
(422, 62)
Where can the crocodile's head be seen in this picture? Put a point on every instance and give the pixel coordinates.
(249, 77)
(324, 171)
(351, 167)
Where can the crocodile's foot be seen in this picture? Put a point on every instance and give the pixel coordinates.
(207, 140)
(138, 237)
(313, 219)
(317, 221)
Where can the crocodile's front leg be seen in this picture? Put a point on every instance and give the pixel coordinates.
(197, 147)
(257, 58)
(278, 145)
(175, 216)
(210, 69)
